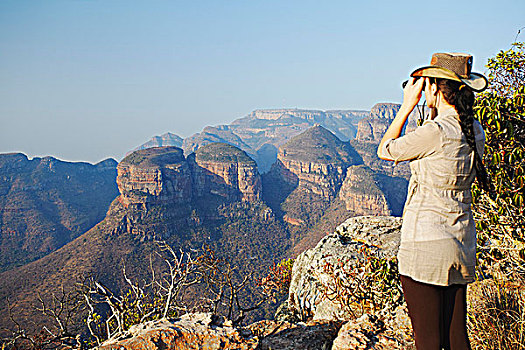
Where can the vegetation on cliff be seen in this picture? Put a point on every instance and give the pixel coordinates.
(46, 203)
(223, 153)
(498, 308)
(156, 156)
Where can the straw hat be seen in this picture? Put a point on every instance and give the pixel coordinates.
(453, 66)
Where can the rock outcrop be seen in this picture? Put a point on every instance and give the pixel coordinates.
(325, 325)
(228, 171)
(190, 332)
(373, 127)
(154, 175)
(305, 297)
(310, 335)
(362, 194)
(164, 175)
(206, 331)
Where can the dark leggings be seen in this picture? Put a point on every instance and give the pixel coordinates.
(438, 314)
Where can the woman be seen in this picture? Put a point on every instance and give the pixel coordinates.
(437, 254)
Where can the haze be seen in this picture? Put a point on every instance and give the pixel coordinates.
(87, 80)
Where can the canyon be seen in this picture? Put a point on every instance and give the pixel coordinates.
(216, 195)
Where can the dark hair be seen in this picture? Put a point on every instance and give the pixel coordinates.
(461, 97)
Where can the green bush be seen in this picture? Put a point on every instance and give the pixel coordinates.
(497, 302)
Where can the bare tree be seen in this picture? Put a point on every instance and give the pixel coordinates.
(186, 283)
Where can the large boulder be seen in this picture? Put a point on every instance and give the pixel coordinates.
(306, 297)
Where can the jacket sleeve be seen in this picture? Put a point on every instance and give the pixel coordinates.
(479, 138)
(422, 142)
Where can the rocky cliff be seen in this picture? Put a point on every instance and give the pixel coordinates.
(373, 127)
(163, 174)
(226, 170)
(362, 194)
(154, 175)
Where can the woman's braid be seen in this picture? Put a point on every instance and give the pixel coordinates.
(462, 98)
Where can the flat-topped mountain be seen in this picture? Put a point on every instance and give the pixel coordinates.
(154, 174)
(233, 173)
(45, 203)
(277, 124)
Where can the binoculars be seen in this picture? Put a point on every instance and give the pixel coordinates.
(406, 82)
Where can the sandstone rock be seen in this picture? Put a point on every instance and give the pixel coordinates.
(283, 314)
(164, 175)
(361, 192)
(306, 298)
(369, 332)
(372, 128)
(191, 331)
(154, 175)
(384, 110)
(228, 171)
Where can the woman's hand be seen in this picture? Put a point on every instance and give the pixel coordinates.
(412, 92)
(411, 97)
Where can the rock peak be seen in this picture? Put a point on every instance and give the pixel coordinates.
(318, 145)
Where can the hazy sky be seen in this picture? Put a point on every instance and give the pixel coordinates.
(86, 80)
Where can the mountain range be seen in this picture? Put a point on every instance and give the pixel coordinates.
(211, 193)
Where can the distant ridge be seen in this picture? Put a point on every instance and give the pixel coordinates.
(262, 131)
(45, 203)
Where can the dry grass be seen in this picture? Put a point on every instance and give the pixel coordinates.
(497, 315)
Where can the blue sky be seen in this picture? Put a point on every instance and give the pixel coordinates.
(85, 80)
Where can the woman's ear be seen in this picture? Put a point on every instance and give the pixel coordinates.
(434, 89)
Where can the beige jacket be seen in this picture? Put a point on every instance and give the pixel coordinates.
(438, 236)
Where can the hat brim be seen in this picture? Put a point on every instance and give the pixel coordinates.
(476, 81)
